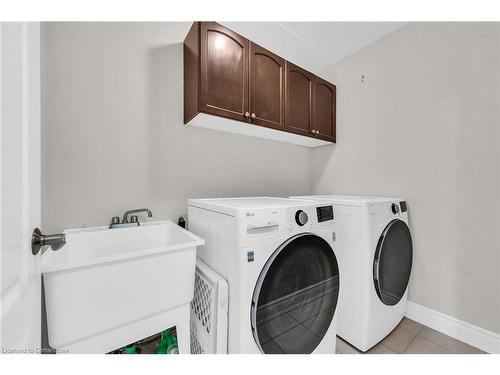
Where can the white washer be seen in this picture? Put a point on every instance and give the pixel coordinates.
(375, 259)
(278, 259)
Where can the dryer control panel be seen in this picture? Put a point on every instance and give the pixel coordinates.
(399, 207)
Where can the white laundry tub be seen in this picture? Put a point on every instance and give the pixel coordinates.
(107, 287)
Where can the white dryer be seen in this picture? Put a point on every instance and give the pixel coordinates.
(375, 260)
(278, 258)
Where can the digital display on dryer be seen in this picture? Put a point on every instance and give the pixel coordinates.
(324, 213)
(403, 206)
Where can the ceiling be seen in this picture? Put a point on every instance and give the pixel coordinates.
(313, 45)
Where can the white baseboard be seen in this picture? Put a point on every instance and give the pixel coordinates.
(481, 338)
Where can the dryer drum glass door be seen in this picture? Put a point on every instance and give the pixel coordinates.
(392, 263)
(295, 297)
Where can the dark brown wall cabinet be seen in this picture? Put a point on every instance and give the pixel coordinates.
(324, 109)
(299, 100)
(267, 86)
(229, 76)
(224, 72)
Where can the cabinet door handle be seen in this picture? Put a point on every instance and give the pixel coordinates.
(317, 131)
(313, 131)
(253, 115)
(247, 114)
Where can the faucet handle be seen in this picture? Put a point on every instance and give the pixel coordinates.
(115, 220)
(134, 219)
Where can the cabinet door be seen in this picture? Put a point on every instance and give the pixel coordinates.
(267, 86)
(224, 72)
(324, 110)
(298, 100)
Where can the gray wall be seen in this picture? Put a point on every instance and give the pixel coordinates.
(114, 137)
(424, 125)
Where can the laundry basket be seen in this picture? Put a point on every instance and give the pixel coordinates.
(209, 312)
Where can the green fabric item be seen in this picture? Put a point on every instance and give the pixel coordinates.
(131, 350)
(161, 348)
(167, 344)
(167, 336)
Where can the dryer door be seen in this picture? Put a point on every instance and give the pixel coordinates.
(295, 297)
(392, 263)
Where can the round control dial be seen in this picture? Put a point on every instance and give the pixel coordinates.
(395, 208)
(301, 217)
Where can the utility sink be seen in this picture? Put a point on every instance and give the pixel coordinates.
(108, 287)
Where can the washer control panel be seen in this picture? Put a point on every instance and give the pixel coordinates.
(308, 217)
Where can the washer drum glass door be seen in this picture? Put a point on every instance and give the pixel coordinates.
(392, 263)
(295, 297)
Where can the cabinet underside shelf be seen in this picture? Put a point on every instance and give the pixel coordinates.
(203, 120)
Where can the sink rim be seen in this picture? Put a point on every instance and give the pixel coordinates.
(49, 267)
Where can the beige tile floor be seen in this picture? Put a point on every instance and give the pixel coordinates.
(410, 337)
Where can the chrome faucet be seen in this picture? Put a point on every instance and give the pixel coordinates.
(133, 222)
(125, 215)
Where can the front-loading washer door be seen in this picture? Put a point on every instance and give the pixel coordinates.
(295, 297)
(392, 262)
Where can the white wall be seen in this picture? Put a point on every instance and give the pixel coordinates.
(114, 137)
(424, 125)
